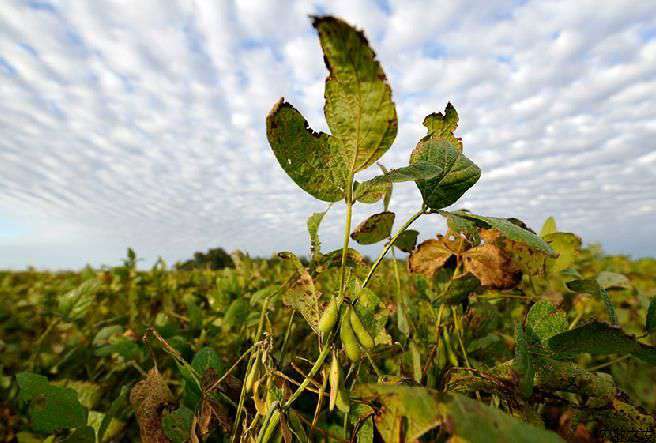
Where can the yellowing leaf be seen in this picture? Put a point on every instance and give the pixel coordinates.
(300, 292)
(359, 108)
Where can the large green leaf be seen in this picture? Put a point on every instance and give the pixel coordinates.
(359, 107)
(412, 411)
(51, 407)
(600, 339)
(374, 229)
(511, 231)
(457, 176)
(311, 159)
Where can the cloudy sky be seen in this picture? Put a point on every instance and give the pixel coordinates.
(142, 122)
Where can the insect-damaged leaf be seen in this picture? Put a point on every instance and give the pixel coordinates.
(374, 189)
(409, 412)
(148, 398)
(51, 407)
(407, 240)
(311, 159)
(300, 292)
(599, 338)
(313, 223)
(510, 230)
(442, 126)
(359, 109)
(374, 229)
(457, 176)
(441, 148)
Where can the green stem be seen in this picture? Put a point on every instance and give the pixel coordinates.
(347, 238)
(389, 245)
(317, 365)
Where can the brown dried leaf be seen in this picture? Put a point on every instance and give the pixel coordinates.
(148, 398)
(492, 266)
(432, 254)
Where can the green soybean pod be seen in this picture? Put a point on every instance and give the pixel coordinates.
(335, 376)
(271, 427)
(329, 317)
(349, 341)
(253, 373)
(363, 336)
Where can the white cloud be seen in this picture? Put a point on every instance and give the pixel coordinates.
(142, 123)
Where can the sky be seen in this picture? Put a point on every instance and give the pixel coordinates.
(141, 123)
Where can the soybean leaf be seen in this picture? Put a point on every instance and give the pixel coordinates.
(567, 246)
(51, 407)
(599, 338)
(76, 303)
(431, 255)
(372, 313)
(650, 320)
(512, 231)
(116, 410)
(493, 267)
(378, 185)
(148, 398)
(311, 159)
(523, 364)
(359, 109)
(592, 287)
(463, 226)
(374, 229)
(549, 227)
(177, 424)
(442, 126)
(407, 240)
(457, 176)
(313, 223)
(613, 280)
(300, 292)
(412, 411)
(236, 313)
(543, 321)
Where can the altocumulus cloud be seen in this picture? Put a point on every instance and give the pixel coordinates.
(142, 123)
